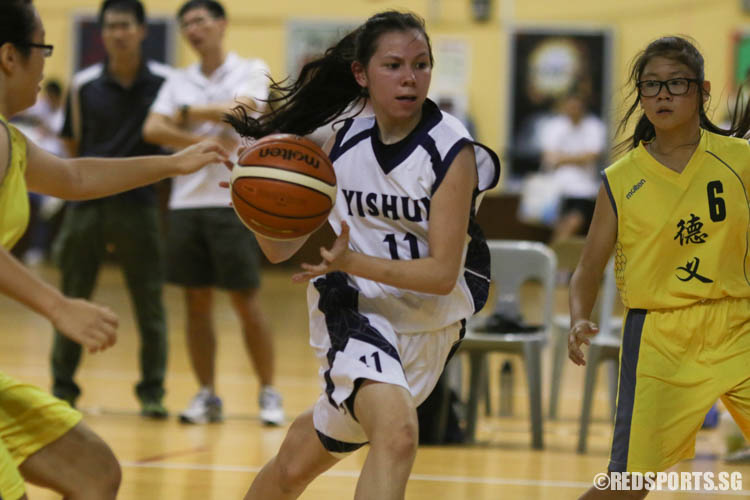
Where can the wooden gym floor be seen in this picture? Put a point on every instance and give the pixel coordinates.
(167, 460)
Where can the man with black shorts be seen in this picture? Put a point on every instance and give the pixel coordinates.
(573, 145)
(207, 245)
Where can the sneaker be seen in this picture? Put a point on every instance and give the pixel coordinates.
(204, 408)
(739, 457)
(153, 409)
(271, 410)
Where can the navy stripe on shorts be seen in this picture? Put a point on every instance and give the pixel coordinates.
(339, 303)
(631, 344)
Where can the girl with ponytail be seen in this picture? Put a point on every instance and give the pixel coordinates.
(389, 299)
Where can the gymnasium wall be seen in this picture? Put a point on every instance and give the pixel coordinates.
(258, 28)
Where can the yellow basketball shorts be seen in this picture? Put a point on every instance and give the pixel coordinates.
(30, 419)
(674, 365)
(11, 482)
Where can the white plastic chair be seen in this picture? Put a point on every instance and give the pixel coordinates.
(605, 345)
(514, 263)
(609, 335)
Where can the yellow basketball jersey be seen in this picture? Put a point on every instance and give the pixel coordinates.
(14, 199)
(682, 237)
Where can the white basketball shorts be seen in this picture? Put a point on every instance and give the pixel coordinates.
(353, 346)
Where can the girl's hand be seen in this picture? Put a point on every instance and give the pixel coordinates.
(580, 334)
(91, 325)
(333, 259)
(225, 184)
(198, 155)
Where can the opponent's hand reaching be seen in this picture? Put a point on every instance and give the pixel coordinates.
(91, 325)
(333, 259)
(581, 332)
(198, 155)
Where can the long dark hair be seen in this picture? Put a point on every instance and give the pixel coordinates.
(326, 86)
(17, 24)
(679, 49)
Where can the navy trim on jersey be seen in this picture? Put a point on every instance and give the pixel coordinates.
(441, 167)
(477, 265)
(339, 304)
(609, 192)
(336, 446)
(495, 160)
(336, 150)
(390, 156)
(365, 134)
(631, 345)
(747, 204)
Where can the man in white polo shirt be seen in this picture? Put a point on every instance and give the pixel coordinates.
(573, 147)
(207, 246)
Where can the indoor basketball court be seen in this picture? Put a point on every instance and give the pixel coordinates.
(166, 460)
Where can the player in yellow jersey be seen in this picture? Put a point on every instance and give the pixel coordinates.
(42, 439)
(674, 210)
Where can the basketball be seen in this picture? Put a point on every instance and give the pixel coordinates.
(283, 187)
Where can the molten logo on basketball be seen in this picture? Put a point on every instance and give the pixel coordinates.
(289, 154)
(283, 186)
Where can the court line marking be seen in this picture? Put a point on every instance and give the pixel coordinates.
(172, 454)
(494, 481)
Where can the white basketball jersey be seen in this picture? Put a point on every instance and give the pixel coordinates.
(384, 194)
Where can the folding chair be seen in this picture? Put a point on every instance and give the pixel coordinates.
(609, 327)
(514, 263)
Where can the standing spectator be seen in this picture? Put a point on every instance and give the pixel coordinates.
(572, 146)
(207, 245)
(104, 115)
(46, 117)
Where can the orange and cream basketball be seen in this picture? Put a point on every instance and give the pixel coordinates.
(283, 187)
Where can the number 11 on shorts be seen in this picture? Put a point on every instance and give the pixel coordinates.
(375, 358)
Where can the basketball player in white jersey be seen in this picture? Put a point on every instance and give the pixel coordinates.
(389, 301)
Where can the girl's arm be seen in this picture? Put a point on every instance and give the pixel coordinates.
(584, 285)
(90, 325)
(86, 178)
(436, 273)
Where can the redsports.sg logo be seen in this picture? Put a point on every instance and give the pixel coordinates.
(669, 481)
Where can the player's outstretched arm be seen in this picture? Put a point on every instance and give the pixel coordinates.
(86, 178)
(584, 285)
(91, 325)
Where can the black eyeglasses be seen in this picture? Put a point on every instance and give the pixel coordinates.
(675, 86)
(47, 49)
